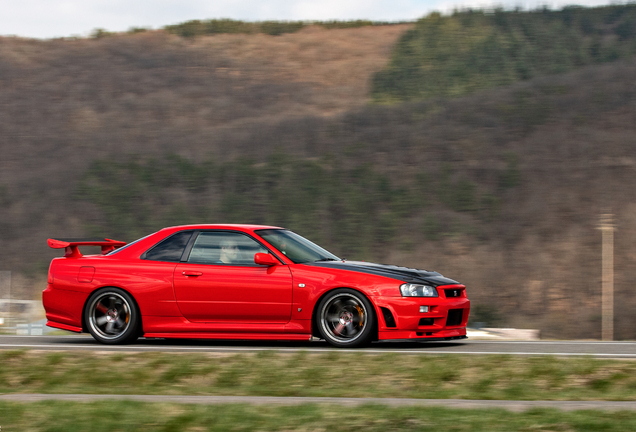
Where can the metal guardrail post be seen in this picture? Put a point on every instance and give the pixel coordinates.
(607, 303)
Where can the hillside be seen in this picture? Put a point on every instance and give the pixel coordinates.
(473, 50)
(501, 189)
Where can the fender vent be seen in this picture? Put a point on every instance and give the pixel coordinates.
(388, 317)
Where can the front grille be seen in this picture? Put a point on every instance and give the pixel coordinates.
(454, 292)
(454, 317)
(388, 317)
(426, 321)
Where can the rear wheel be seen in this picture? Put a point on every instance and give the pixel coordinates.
(345, 318)
(111, 316)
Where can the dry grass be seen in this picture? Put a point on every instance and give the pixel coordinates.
(338, 62)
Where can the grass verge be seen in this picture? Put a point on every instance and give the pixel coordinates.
(125, 415)
(331, 374)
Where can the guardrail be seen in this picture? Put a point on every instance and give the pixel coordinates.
(29, 329)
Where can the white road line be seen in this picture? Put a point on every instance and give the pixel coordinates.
(317, 350)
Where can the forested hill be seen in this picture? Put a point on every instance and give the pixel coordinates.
(472, 50)
(120, 135)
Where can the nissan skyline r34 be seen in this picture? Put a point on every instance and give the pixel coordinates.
(244, 282)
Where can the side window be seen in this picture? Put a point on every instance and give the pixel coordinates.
(224, 248)
(170, 249)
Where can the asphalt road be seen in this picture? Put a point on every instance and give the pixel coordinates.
(619, 350)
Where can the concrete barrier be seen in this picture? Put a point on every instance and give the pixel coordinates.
(503, 334)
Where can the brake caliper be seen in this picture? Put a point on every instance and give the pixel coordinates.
(360, 313)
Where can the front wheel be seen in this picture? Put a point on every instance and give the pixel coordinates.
(111, 316)
(345, 318)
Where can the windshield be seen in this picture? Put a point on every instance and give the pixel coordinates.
(295, 247)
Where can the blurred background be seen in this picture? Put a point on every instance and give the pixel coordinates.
(483, 144)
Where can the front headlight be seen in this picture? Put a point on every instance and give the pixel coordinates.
(416, 290)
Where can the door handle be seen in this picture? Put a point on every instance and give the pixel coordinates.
(192, 273)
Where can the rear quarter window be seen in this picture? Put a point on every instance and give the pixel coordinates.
(170, 249)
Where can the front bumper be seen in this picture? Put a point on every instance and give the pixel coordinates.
(447, 317)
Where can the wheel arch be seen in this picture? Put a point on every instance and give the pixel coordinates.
(141, 323)
(314, 329)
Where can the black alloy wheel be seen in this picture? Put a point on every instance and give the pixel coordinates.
(345, 318)
(112, 317)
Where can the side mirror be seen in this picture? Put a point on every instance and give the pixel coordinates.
(265, 259)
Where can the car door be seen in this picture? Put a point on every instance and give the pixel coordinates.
(220, 283)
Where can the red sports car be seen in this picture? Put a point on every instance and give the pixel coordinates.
(244, 282)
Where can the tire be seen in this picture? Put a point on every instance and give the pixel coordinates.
(112, 317)
(345, 318)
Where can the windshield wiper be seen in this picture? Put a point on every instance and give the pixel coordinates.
(326, 259)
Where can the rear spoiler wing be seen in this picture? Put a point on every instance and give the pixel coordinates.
(72, 250)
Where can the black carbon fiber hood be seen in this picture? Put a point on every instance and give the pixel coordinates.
(404, 274)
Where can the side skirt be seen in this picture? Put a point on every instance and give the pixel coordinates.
(181, 326)
(231, 336)
(64, 327)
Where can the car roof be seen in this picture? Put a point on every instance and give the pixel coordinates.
(153, 238)
(240, 227)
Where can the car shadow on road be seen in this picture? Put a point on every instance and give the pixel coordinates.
(86, 340)
(292, 344)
